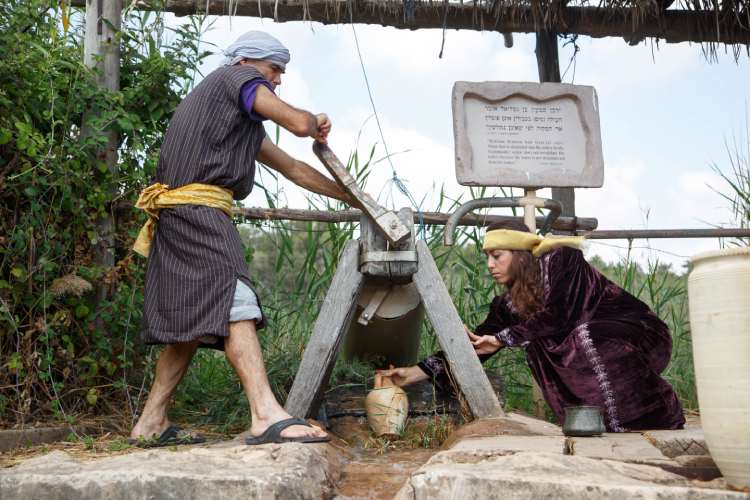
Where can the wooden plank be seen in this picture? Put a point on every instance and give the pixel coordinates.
(329, 330)
(464, 364)
(373, 240)
(673, 25)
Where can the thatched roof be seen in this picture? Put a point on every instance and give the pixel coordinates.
(709, 22)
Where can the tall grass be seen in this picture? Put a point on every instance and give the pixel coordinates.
(737, 178)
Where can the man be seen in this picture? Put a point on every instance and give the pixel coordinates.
(198, 290)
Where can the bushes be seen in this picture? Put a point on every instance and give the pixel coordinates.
(60, 347)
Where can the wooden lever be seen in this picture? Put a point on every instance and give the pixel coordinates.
(387, 221)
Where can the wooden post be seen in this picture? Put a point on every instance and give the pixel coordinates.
(101, 50)
(329, 330)
(548, 65)
(464, 364)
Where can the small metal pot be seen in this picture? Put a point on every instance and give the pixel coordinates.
(583, 421)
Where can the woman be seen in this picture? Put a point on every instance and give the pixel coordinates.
(587, 341)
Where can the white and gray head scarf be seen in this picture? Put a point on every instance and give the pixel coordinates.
(257, 45)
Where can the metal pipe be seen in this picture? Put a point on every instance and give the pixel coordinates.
(552, 205)
(630, 234)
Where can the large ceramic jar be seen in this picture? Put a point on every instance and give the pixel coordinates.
(719, 298)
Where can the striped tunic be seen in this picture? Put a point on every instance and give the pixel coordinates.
(197, 255)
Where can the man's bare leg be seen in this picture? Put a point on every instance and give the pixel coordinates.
(243, 352)
(171, 367)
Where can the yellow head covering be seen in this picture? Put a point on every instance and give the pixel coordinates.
(508, 239)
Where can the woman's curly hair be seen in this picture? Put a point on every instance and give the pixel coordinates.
(525, 288)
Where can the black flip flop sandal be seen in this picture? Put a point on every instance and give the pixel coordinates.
(172, 436)
(273, 434)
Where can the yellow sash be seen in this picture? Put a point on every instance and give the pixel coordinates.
(158, 196)
(507, 239)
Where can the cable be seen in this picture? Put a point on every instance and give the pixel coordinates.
(395, 180)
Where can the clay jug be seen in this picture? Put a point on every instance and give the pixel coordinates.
(719, 299)
(387, 407)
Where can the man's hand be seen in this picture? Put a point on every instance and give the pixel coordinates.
(483, 344)
(323, 128)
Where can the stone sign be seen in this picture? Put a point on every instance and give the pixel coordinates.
(527, 135)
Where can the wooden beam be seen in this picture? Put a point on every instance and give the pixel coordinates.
(330, 328)
(465, 368)
(673, 26)
(429, 218)
(548, 67)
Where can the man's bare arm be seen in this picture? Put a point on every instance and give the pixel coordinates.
(301, 173)
(297, 121)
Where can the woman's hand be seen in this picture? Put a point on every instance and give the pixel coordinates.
(404, 376)
(483, 344)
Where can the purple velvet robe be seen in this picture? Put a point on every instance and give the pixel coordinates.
(592, 343)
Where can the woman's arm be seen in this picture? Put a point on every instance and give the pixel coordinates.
(485, 344)
(404, 376)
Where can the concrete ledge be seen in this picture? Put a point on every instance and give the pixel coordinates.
(529, 475)
(614, 446)
(21, 438)
(511, 444)
(227, 471)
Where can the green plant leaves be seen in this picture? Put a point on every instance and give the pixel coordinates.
(56, 187)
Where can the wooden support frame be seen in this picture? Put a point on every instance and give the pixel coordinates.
(328, 333)
(465, 367)
(336, 315)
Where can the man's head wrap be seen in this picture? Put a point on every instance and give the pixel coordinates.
(507, 239)
(257, 45)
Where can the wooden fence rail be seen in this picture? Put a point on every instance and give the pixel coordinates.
(583, 225)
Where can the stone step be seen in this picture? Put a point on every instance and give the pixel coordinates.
(227, 471)
(531, 475)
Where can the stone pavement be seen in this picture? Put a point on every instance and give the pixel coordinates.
(514, 457)
(657, 464)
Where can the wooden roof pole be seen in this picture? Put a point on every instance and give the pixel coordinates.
(101, 51)
(548, 65)
(672, 26)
